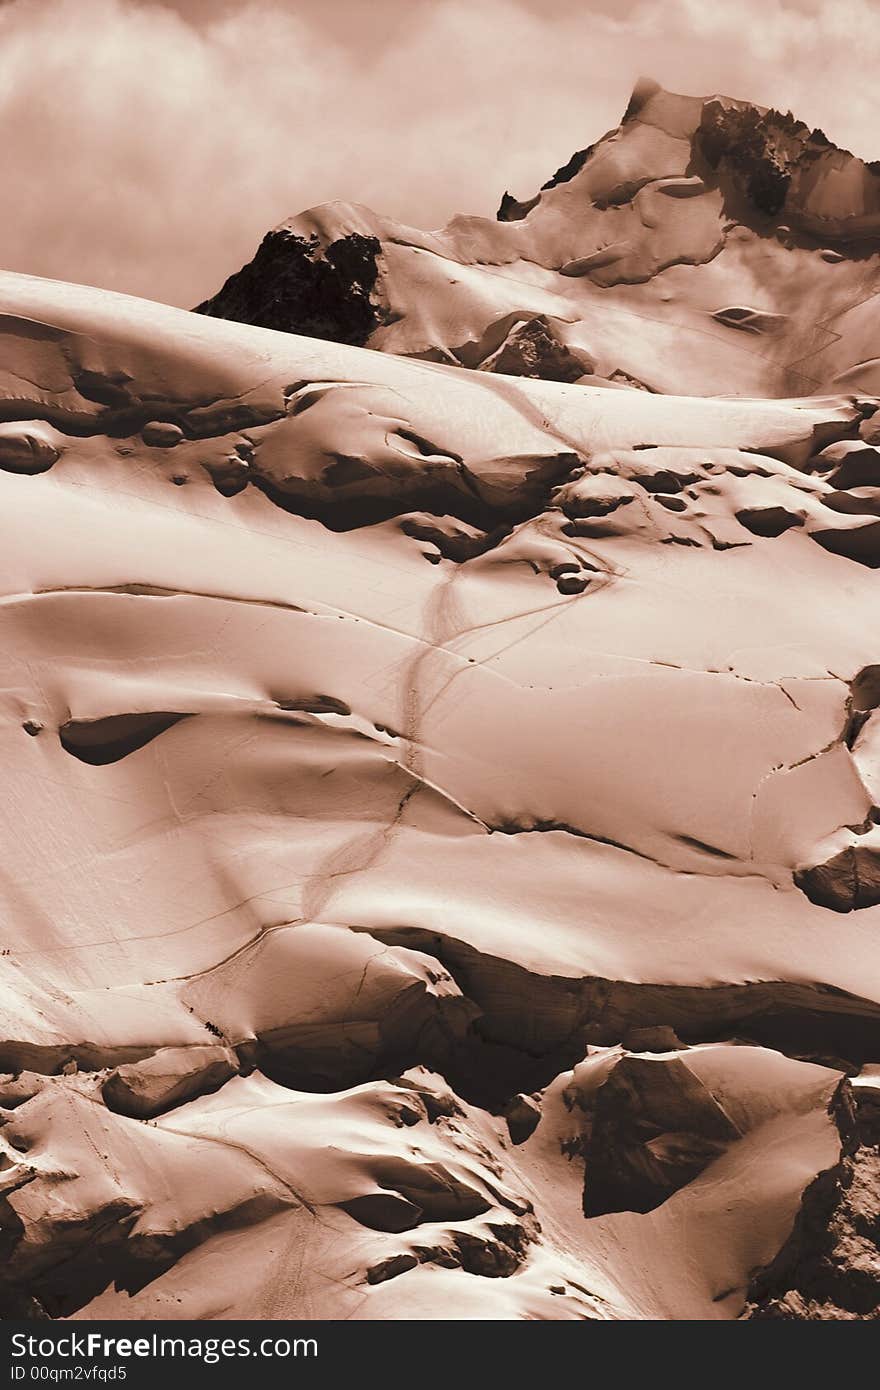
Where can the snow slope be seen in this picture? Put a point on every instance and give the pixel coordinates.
(441, 873)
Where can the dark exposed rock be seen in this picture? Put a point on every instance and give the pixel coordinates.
(72, 1258)
(438, 1193)
(740, 142)
(390, 1268)
(764, 159)
(859, 543)
(571, 584)
(413, 1026)
(534, 349)
(295, 286)
(511, 210)
(846, 882)
(523, 1115)
(768, 521)
(493, 1259)
(865, 690)
(569, 169)
(858, 466)
(455, 540)
(828, 1269)
(864, 503)
(438, 1098)
(497, 1254)
(649, 1127)
(531, 1027)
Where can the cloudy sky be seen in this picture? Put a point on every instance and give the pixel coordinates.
(147, 145)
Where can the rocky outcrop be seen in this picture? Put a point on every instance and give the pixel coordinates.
(828, 1269)
(740, 140)
(846, 882)
(774, 164)
(296, 285)
(534, 349)
(649, 1126)
(523, 1115)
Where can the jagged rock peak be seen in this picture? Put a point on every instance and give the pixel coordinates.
(717, 221)
(764, 158)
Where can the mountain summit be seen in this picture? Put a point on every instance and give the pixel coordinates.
(706, 246)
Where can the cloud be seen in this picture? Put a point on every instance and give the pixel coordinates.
(147, 145)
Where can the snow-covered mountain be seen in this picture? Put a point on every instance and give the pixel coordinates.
(704, 247)
(441, 868)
